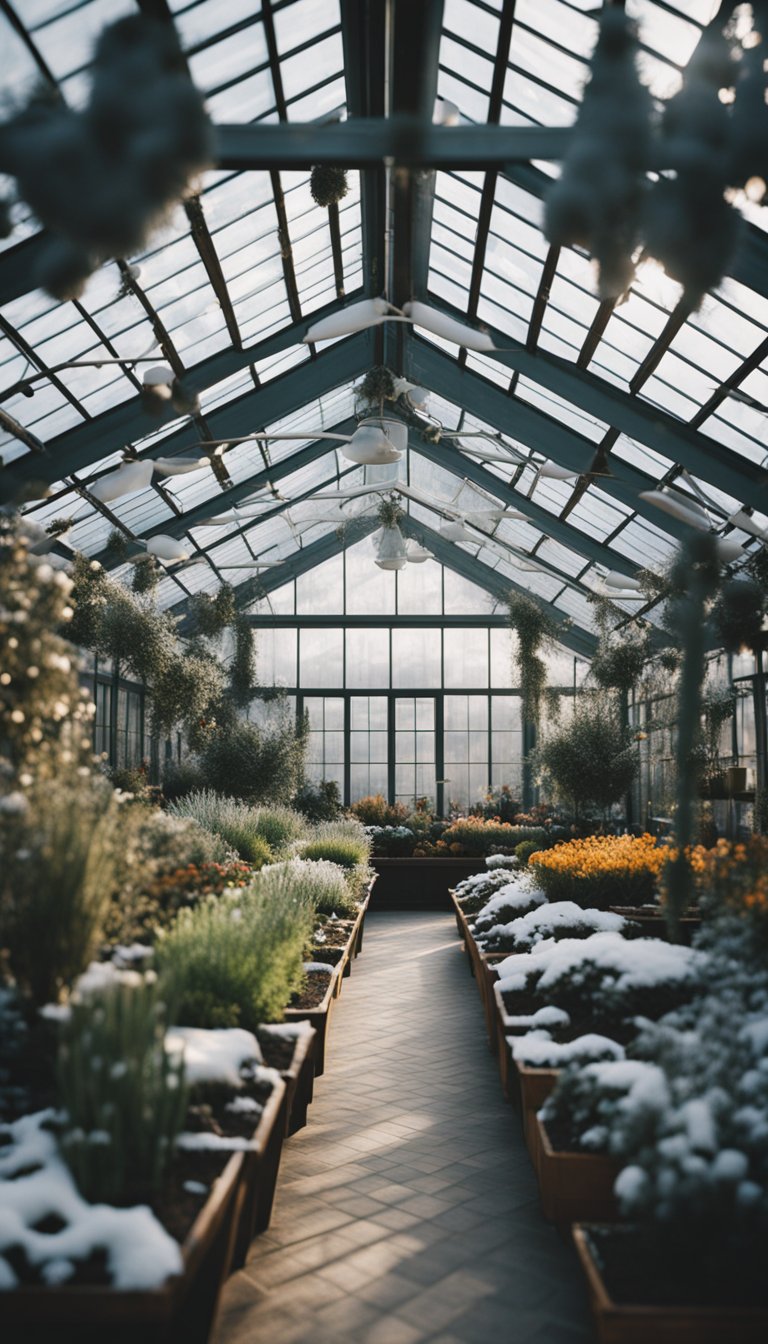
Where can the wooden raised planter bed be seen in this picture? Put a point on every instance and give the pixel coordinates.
(183, 1308)
(535, 1087)
(655, 925)
(575, 1187)
(260, 1167)
(299, 1074)
(420, 884)
(630, 1323)
(319, 1017)
(505, 1027)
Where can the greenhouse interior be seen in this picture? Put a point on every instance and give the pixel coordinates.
(383, 631)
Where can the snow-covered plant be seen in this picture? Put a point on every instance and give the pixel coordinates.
(121, 1092)
(537, 1050)
(473, 892)
(606, 980)
(596, 203)
(494, 861)
(607, 1107)
(562, 919)
(515, 898)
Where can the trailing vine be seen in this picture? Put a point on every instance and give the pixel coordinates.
(390, 513)
(242, 673)
(534, 630)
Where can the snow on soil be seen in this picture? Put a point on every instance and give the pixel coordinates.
(214, 1056)
(140, 1253)
(539, 1053)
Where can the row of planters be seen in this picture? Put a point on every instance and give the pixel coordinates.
(639, 1070)
(166, 979)
(145, 1099)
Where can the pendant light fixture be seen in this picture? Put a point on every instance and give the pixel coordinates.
(390, 548)
(126, 480)
(377, 442)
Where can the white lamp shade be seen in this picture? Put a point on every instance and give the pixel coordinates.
(729, 549)
(554, 472)
(416, 554)
(676, 508)
(179, 466)
(616, 580)
(167, 548)
(390, 549)
(454, 531)
(158, 376)
(418, 396)
(129, 478)
(355, 317)
(446, 113)
(447, 327)
(377, 443)
(746, 522)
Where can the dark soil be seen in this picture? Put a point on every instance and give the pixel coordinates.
(647, 1268)
(337, 934)
(314, 991)
(278, 1051)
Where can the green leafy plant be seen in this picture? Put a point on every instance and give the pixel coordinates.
(255, 763)
(280, 826)
(374, 810)
(328, 184)
(146, 575)
(237, 959)
(377, 387)
(316, 880)
(591, 761)
(345, 853)
(122, 1093)
(209, 616)
(234, 821)
(390, 512)
(242, 673)
(534, 630)
(318, 801)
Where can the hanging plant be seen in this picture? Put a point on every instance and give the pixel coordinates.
(534, 629)
(596, 202)
(115, 547)
(619, 661)
(328, 184)
(242, 672)
(377, 387)
(739, 614)
(694, 579)
(185, 691)
(146, 576)
(390, 513)
(209, 616)
(58, 527)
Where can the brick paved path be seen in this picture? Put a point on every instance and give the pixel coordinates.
(407, 1210)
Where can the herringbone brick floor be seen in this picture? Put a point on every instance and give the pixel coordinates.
(407, 1210)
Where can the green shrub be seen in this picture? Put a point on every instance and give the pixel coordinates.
(122, 1093)
(59, 861)
(374, 810)
(235, 960)
(256, 764)
(180, 778)
(525, 849)
(591, 761)
(344, 853)
(324, 884)
(280, 826)
(318, 802)
(235, 822)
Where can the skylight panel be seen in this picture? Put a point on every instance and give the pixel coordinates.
(202, 22)
(304, 21)
(471, 102)
(67, 42)
(230, 59)
(562, 410)
(311, 66)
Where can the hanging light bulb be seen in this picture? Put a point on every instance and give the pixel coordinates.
(390, 549)
(126, 480)
(729, 549)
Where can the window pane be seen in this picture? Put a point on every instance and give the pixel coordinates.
(367, 657)
(416, 657)
(466, 657)
(321, 657)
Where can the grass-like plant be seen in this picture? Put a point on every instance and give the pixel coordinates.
(324, 884)
(344, 853)
(235, 960)
(280, 826)
(343, 842)
(235, 822)
(122, 1093)
(59, 861)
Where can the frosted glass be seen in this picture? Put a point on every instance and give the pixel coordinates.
(465, 655)
(367, 657)
(416, 657)
(321, 658)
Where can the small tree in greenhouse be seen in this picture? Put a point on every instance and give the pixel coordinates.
(590, 761)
